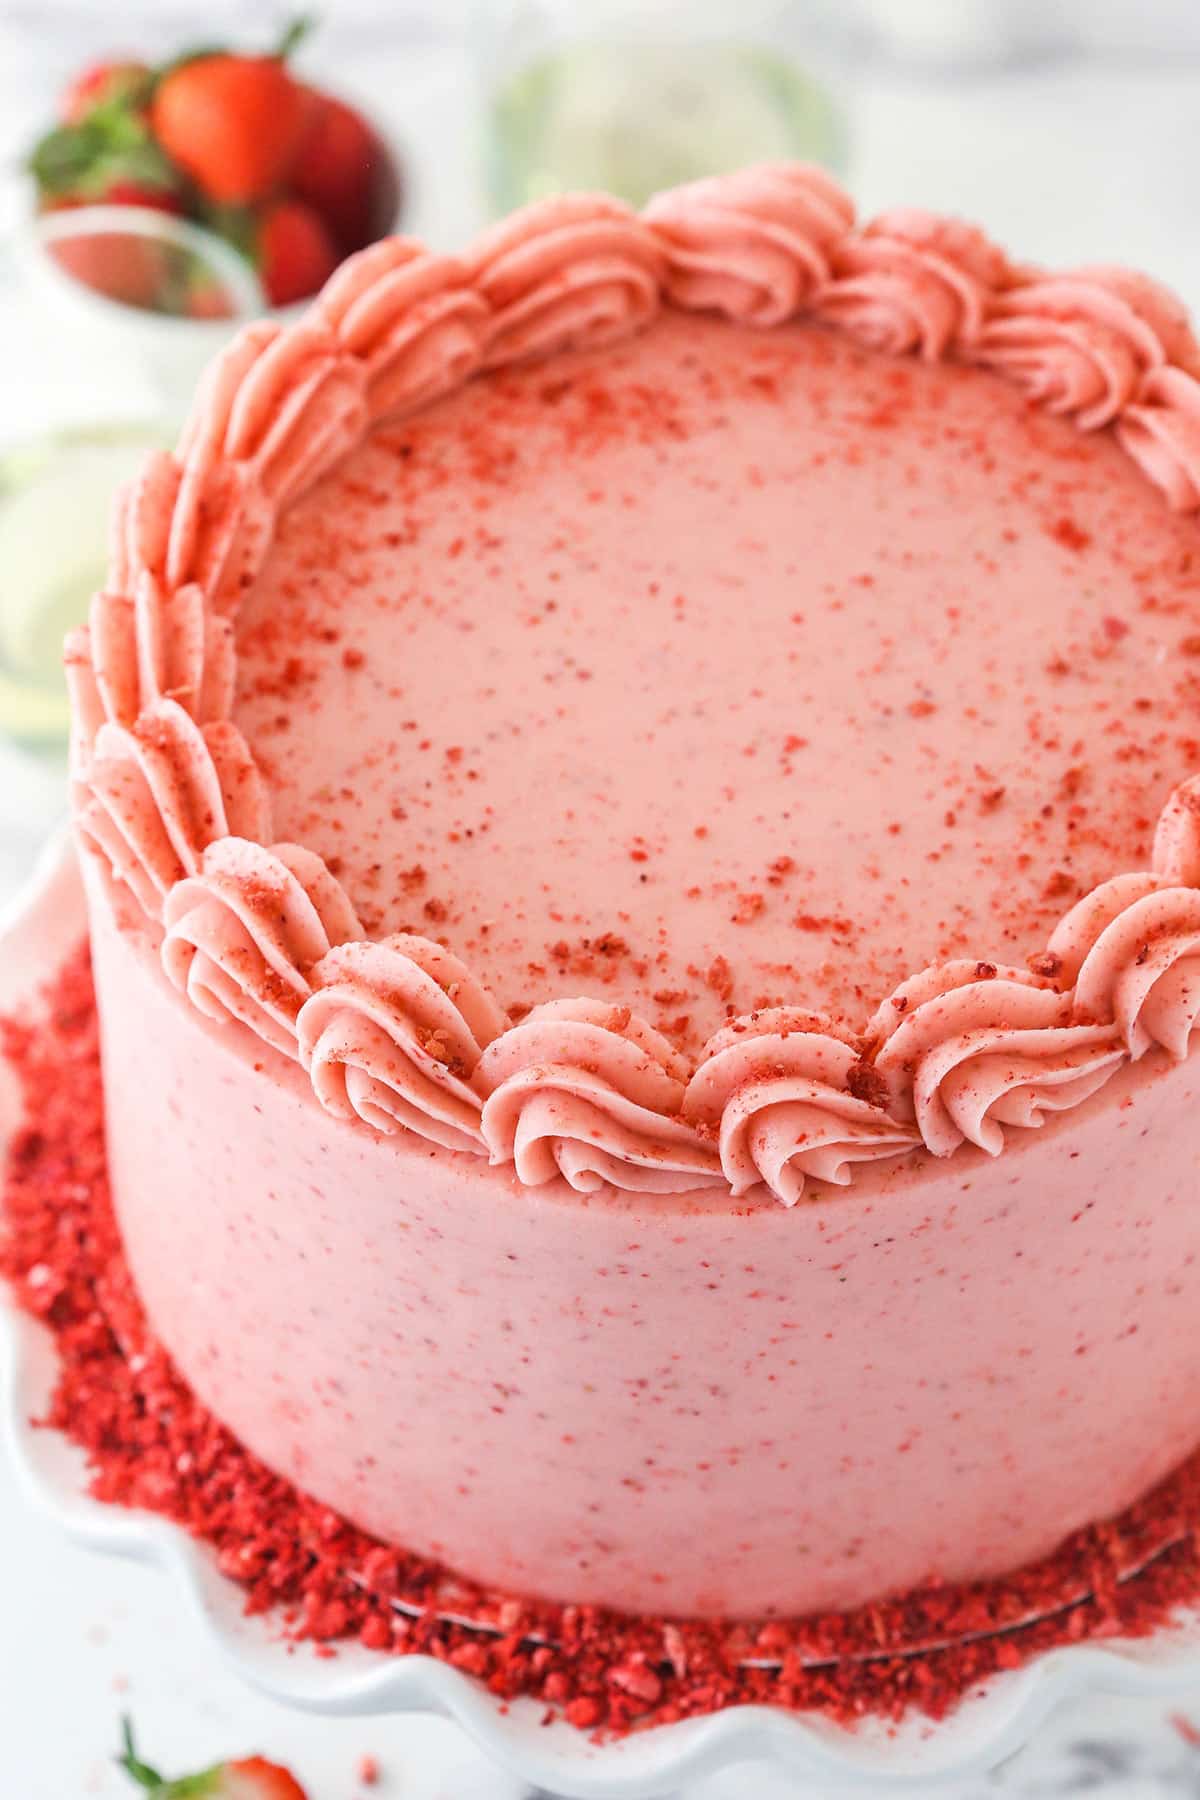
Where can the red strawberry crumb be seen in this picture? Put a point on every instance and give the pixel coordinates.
(150, 1443)
(368, 1771)
(749, 907)
(866, 1083)
(638, 1679)
(1071, 536)
(719, 977)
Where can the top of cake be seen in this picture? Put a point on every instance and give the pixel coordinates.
(704, 664)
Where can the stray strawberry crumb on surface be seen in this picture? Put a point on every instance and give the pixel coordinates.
(151, 1444)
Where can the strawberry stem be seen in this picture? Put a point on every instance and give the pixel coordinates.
(132, 1763)
(294, 35)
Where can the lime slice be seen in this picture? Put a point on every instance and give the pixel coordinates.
(55, 499)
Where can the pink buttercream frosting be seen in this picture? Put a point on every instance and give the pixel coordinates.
(245, 929)
(913, 282)
(155, 794)
(285, 404)
(1138, 953)
(776, 1090)
(591, 1093)
(968, 1048)
(197, 521)
(1083, 343)
(414, 320)
(1162, 434)
(1177, 836)
(573, 272)
(755, 246)
(393, 1034)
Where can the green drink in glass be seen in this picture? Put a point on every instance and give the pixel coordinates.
(648, 98)
(55, 501)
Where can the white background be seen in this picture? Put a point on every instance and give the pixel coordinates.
(1073, 131)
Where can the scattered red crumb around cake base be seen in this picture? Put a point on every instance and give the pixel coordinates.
(150, 1444)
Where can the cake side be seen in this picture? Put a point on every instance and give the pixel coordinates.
(676, 1404)
(171, 799)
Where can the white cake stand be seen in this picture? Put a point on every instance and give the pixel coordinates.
(821, 1758)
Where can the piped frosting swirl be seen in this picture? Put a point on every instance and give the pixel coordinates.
(155, 794)
(393, 1034)
(245, 930)
(413, 320)
(1162, 435)
(756, 245)
(913, 283)
(1135, 944)
(573, 272)
(1082, 343)
(777, 1090)
(592, 1093)
(966, 1049)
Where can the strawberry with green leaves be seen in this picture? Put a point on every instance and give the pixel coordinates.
(291, 177)
(247, 1778)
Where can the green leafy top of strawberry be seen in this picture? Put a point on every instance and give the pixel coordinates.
(113, 142)
(185, 1787)
(248, 1778)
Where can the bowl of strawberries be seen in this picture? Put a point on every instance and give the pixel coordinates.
(170, 201)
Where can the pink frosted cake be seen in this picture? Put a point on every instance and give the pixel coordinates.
(643, 849)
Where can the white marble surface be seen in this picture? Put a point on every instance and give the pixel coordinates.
(1066, 161)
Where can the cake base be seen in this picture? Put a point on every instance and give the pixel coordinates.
(151, 1444)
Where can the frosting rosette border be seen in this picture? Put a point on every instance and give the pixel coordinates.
(396, 1036)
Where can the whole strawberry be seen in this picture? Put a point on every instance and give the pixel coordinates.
(296, 254)
(247, 1778)
(341, 170)
(233, 123)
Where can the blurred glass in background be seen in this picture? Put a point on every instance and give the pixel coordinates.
(55, 499)
(631, 96)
